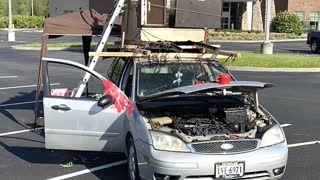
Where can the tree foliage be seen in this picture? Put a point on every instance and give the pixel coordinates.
(41, 8)
(287, 23)
(20, 21)
(23, 7)
(3, 8)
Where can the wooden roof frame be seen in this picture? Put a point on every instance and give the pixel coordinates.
(136, 51)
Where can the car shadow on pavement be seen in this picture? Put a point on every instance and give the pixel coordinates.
(39, 155)
(13, 104)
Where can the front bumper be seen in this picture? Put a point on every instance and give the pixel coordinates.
(259, 164)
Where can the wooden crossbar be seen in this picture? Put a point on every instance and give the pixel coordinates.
(218, 55)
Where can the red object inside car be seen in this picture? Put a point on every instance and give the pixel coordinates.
(224, 78)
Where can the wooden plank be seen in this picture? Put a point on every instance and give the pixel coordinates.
(164, 56)
(117, 54)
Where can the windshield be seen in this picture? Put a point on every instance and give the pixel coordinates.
(157, 77)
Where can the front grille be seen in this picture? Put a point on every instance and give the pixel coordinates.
(216, 146)
(256, 175)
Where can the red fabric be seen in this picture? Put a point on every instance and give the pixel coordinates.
(121, 100)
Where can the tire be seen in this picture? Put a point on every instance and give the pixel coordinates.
(315, 47)
(132, 161)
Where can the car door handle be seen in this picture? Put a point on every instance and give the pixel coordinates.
(61, 107)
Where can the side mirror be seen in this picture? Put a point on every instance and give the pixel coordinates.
(105, 101)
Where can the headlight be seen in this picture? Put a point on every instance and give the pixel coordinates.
(166, 142)
(273, 136)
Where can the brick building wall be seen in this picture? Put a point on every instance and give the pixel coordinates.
(306, 6)
(292, 6)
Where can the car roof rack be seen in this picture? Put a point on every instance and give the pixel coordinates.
(166, 50)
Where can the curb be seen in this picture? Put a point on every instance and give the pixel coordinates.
(26, 29)
(257, 41)
(260, 69)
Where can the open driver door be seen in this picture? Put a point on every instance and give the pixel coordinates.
(92, 122)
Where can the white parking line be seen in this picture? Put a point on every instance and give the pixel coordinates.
(27, 86)
(304, 144)
(18, 132)
(20, 103)
(7, 77)
(86, 171)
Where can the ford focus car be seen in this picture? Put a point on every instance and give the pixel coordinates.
(186, 119)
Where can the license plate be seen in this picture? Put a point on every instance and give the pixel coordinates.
(229, 170)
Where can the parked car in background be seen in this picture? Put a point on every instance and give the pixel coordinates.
(314, 41)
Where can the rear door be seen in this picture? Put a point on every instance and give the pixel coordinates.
(79, 123)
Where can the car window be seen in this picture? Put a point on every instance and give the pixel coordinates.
(113, 64)
(126, 85)
(116, 71)
(65, 79)
(156, 77)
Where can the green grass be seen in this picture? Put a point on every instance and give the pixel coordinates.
(245, 60)
(276, 61)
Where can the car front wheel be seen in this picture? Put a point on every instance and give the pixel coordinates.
(315, 46)
(132, 161)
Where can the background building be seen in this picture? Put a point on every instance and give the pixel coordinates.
(60, 7)
(236, 14)
(307, 10)
(251, 15)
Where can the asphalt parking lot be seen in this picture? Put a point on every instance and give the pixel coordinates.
(293, 101)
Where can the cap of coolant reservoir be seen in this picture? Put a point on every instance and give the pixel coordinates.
(224, 78)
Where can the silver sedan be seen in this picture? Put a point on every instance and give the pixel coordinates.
(175, 120)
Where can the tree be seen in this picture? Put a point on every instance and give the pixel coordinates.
(41, 7)
(21, 7)
(287, 23)
(3, 8)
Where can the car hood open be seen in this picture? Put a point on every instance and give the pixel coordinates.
(249, 85)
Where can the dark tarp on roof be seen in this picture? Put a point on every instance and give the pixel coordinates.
(83, 23)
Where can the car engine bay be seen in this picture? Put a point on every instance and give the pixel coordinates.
(201, 117)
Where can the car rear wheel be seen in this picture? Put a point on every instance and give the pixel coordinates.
(132, 161)
(315, 46)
